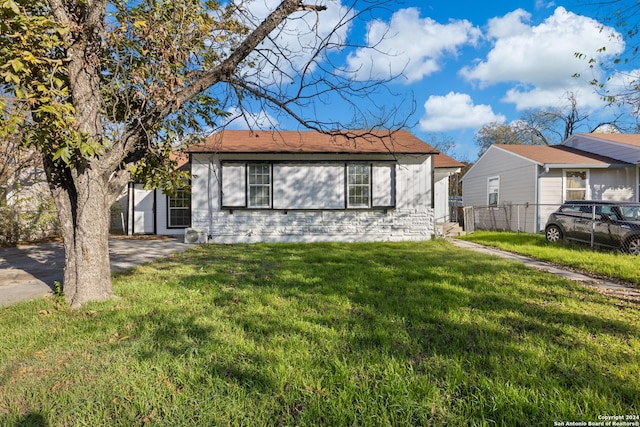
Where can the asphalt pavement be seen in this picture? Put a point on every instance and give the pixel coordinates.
(31, 271)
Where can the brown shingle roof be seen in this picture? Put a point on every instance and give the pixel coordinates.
(558, 154)
(245, 141)
(444, 161)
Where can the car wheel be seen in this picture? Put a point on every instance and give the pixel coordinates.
(633, 245)
(553, 233)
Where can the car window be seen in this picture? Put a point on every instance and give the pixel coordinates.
(607, 210)
(586, 209)
(570, 208)
(630, 213)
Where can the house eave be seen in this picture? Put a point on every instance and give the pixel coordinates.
(284, 152)
(586, 166)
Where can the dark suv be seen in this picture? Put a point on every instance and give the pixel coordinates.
(610, 224)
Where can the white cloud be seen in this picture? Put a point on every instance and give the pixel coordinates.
(540, 59)
(408, 45)
(623, 82)
(456, 111)
(543, 4)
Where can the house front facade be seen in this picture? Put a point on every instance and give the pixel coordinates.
(290, 186)
(525, 183)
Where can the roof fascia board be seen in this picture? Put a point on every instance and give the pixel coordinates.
(586, 166)
(520, 156)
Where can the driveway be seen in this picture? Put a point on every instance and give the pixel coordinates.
(28, 272)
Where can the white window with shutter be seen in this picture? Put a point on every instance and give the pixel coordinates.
(233, 177)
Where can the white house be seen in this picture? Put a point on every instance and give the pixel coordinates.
(143, 211)
(445, 167)
(303, 186)
(532, 181)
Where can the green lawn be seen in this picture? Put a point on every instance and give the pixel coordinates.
(324, 335)
(602, 263)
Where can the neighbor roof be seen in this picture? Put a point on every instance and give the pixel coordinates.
(444, 161)
(559, 155)
(620, 138)
(246, 141)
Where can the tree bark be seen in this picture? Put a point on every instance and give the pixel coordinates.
(83, 209)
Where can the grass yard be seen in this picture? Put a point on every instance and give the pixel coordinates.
(324, 335)
(602, 263)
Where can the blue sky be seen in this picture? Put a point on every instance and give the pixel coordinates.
(468, 63)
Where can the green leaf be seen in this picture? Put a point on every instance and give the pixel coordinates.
(17, 65)
(10, 4)
(63, 154)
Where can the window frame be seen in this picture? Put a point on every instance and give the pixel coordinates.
(268, 185)
(186, 197)
(490, 193)
(565, 189)
(348, 185)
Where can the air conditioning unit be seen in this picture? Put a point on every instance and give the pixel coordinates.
(193, 235)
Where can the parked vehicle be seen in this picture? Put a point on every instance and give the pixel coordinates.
(608, 224)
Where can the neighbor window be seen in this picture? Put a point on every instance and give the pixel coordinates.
(358, 185)
(575, 184)
(493, 191)
(179, 206)
(259, 180)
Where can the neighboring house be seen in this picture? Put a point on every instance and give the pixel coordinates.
(255, 186)
(530, 182)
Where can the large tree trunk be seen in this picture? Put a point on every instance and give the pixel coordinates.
(83, 210)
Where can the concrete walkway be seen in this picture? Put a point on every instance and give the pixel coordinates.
(608, 287)
(28, 272)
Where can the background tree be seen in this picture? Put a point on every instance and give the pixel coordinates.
(618, 86)
(110, 86)
(540, 127)
(441, 142)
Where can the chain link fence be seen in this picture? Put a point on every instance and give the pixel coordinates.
(595, 224)
(518, 217)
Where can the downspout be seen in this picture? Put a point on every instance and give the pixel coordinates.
(155, 211)
(433, 185)
(537, 190)
(131, 210)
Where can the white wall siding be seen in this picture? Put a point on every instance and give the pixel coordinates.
(551, 194)
(441, 199)
(515, 173)
(517, 187)
(308, 186)
(413, 183)
(613, 184)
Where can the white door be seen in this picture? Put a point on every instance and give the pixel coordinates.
(143, 210)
